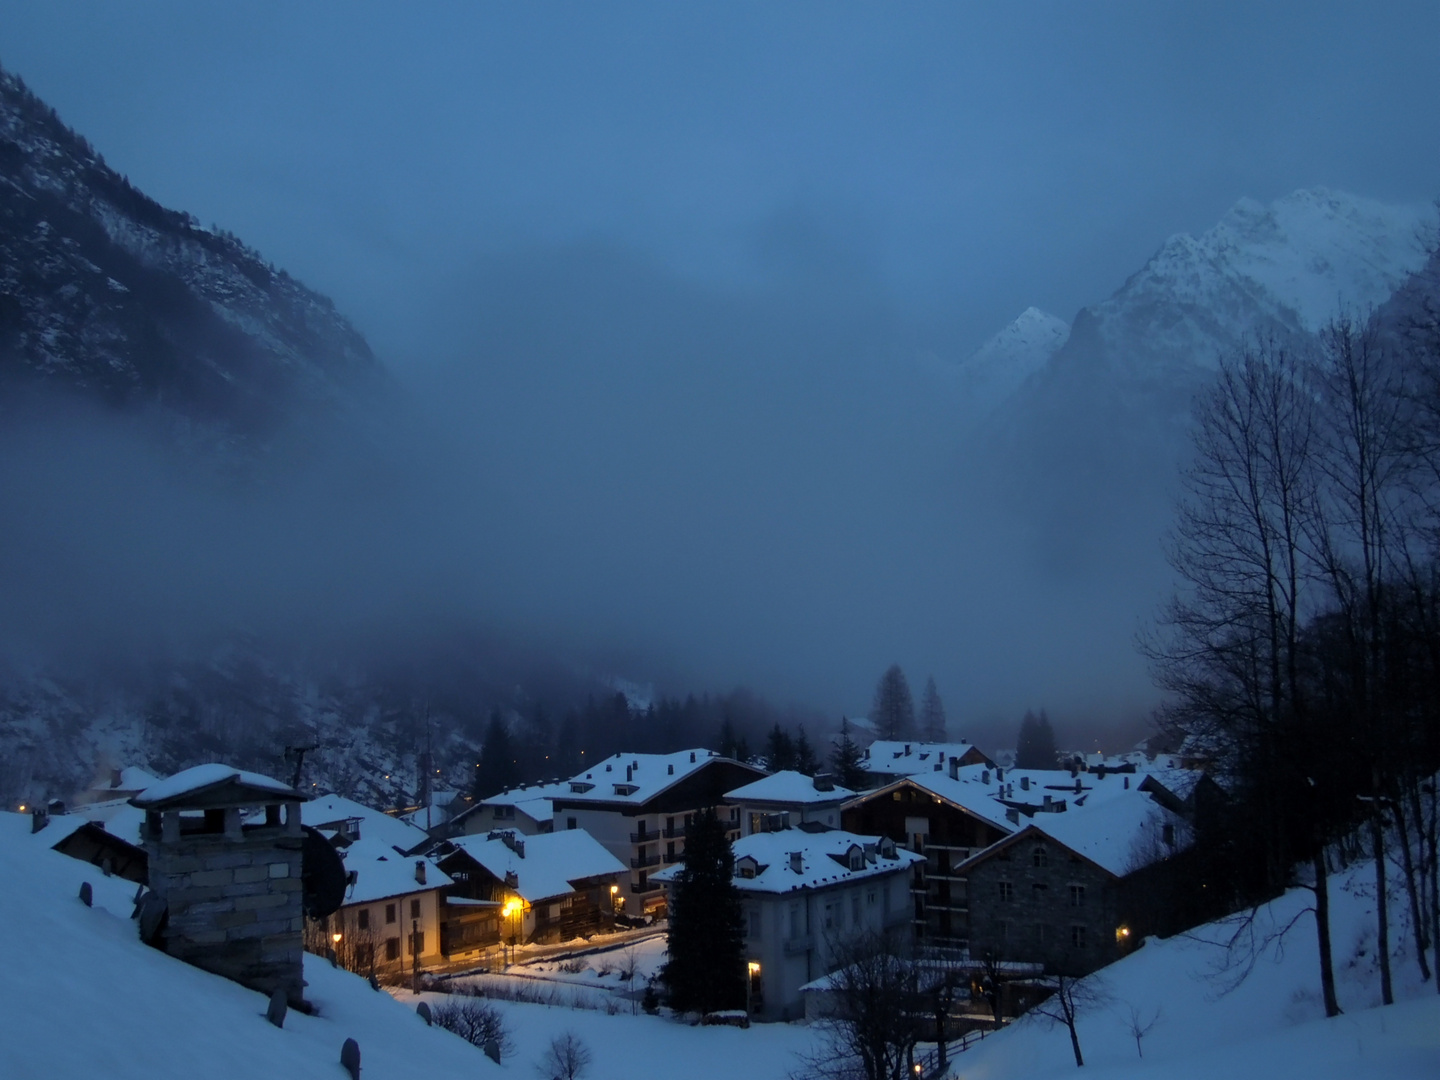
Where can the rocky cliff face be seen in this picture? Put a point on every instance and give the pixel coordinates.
(104, 291)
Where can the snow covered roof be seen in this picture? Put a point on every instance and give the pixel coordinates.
(1120, 835)
(115, 816)
(968, 793)
(898, 758)
(631, 779)
(787, 786)
(196, 782)
(334, 811)
(551, 861)
(824, 860)
(532, 799)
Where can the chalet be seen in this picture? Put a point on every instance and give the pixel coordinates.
(521, 889)
(640, 805)
(1068, 890)
(945, 818)
(805, 891)
(116, 783)
(886, 760)
(389, 922)
(787, 798)
(528, 809)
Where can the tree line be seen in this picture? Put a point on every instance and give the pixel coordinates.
(1301, 650)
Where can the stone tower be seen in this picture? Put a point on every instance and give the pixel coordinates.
(224, 850)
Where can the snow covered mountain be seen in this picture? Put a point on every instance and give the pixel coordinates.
(1000, 366)
(104, 291)
(1283, 269)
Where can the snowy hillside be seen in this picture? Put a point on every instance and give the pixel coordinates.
(83, 997)
(1271, 1025)
(998, 368)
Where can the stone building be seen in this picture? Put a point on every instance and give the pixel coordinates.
(224, 854)
(1068, 891)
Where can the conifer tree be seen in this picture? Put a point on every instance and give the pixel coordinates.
(498, 769)
(779, 749)
(893, 713)
(805, 760)
(1035, 748)
(932, 713)
(845, 759)
(705, 971)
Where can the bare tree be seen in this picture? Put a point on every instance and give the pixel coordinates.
(1138, 1026)
(871, 1033)
(1072, 999)
(477, 1022)
(567, 1058)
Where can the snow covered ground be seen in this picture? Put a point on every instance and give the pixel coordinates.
(83, 997)
(1269, 1026)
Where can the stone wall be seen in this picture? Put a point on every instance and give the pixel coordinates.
(235, 903)
(1034, 919)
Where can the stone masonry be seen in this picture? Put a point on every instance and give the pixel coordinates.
(233, 893)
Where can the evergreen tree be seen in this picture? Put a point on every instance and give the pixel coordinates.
(498, 769)
(845, 759)
(705, 971)
(779, 749)
(727, 744)
(805, 759)
(893, 713)
(1035, 748)
(932, 713)
(568, 745)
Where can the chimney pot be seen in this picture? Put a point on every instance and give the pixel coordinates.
(39, 818)
(420, 871)
(692, 757)
(1048, 802)
(797, 862)
(114, 778)
(672, 770)
(1024, 783)
(1127, 782)
(999, 773)
(954, 768)
(985, 777)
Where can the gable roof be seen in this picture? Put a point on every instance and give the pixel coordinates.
(549, 865)
(788, 786)
(893, 757)
(970, 796)
(627, 780)
(215, 785)
(823, 860)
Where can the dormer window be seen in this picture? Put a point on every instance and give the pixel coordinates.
(746, 867)
(579, 787)
(857, 857)
(626, 789)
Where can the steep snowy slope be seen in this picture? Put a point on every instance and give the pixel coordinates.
(1271, 1025)
(103, 290)
(83, 997)
(998, 368)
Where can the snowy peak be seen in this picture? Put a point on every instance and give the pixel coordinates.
(999, 367)
(1288, 267)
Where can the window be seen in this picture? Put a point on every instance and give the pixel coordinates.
(829, 916)
(417, 943)
(392, 948)
(755, 922)
(796, 922)
(569, 823)
(1042, 934)
(1004, 932)
(414, 909)
(855, 910)
(1007, 891)
(362, 920)
(1077, 895)
(390, 915)
(870, 898)
(1040, 857)
(365, 956)
(1077, 936)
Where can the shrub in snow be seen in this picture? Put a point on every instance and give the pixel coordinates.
(567, 1058)
(476, 1022)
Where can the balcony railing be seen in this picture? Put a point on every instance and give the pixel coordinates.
(648, 887)
(673, 857)
(644, 837)
(639, 862)
(674, 832)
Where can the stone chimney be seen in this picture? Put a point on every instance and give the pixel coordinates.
(39, 818)
(823, 782)
(225, 862)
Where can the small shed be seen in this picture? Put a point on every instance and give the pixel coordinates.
(224, 849)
